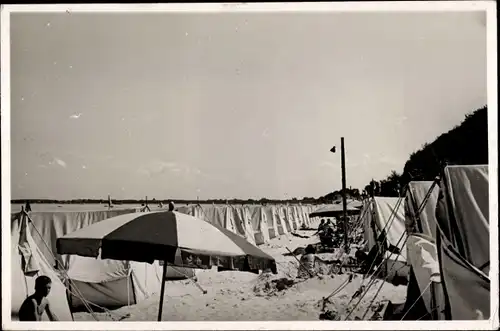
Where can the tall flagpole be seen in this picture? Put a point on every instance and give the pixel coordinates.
(344, 198)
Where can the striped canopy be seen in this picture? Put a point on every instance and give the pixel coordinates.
(163, 236)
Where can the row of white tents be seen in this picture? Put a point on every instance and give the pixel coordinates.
(94, 284)
(441, 231)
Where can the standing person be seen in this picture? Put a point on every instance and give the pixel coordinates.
(321, 226)
(36, 304)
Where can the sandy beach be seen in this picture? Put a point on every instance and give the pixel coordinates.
(241, 296)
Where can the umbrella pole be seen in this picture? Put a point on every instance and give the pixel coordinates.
(162, 293)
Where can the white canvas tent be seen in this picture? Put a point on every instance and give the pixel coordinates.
(257, 224)
(383, 214)
(383, 222)
(462, 214)
(112, 284)
(389, 217)
(424, 295)
(366, 220)
(102, 282)
(27, 263)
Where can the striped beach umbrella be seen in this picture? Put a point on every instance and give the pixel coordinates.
(163, 236)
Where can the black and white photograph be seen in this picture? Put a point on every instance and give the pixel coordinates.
(287, 165)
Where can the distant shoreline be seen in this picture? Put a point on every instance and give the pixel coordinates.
(128, 202)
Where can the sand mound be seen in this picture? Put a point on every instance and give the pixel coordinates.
(268, 285)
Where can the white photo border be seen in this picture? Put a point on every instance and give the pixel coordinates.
(489, 7)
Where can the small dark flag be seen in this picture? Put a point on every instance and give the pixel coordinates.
(333, 149)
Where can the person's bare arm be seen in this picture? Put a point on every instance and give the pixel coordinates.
(50, 314)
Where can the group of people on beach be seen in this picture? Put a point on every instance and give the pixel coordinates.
(327, 232)
(308, 261)
(329, 238)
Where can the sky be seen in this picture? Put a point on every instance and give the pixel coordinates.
(233, 105)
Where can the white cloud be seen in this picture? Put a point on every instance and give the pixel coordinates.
(50, 160)
(60, 162)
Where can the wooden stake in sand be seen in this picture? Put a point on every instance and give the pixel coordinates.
(198, 285)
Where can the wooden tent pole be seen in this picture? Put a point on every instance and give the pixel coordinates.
(344, 198)
(162, 293)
